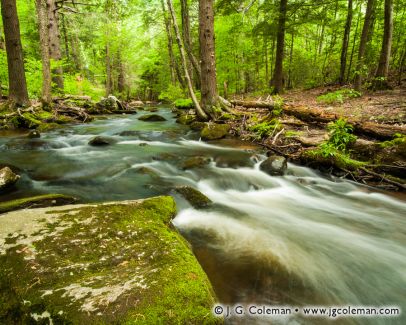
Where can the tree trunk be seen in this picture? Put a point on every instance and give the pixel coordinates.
(363, 44)
(353, 43)
(346, 39)
(168, 28)
(208, 57)
(280, 49)
(42, 14)
(65, 37)
(18, 94)
(199, 111)
(187, 39)
(381, 75)
(290, 83)
(121, 75)
(109, 83)
(55, 44)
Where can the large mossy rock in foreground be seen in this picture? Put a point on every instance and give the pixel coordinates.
(100, 264)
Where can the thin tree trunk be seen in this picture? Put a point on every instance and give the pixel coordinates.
(121, 75)
(280, 48)
(381, 75)
(346, 39)
(187, 39)
(168, 28)
(42, 14)
(353, 43)
(208, 57)
(199, 111)
(18, 94)
(363, 44)
(65, 37)
(266, 60)
(55, 44)
(2, 47)
(290, 84)
(109, 85)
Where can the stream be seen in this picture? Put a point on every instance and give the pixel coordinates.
(298, 240)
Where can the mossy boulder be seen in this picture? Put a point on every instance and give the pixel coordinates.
(214, 131)
(186, 119)
(195, 162)
(152, 118)
(100, 141)
(7, 178)
(196, 198)
(197, 126)
(40, 201)
(100, 264)
(274, 165)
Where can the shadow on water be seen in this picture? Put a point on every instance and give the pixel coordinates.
(296, 240)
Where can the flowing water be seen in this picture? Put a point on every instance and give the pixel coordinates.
(298, 240)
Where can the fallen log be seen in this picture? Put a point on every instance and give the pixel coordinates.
(253, 104)
(369, 129)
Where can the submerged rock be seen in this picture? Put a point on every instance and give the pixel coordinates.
(197, 199)
(7, 178)
(195, 162)
(274, 165)
(214, 131)
(100, 141)
(152, 118)
(101, 264)
(34, 134)
(41, 201)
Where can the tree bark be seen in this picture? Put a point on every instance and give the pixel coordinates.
(187, 39)
(42, 14)
(172, 62)
(121, 75)
(363, 44)
(383, 67)
(18, 94)
(199, 111)
(109, 83)
(208, 57)
(353, 43)
(55, 44)
(346, 39)
(277, 80)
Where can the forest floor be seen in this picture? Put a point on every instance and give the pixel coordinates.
(374, 159)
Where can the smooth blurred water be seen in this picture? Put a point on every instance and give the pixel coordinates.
(302, 239)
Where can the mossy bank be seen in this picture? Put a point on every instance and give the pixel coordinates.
(100, 264)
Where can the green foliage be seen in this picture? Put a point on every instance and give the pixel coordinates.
(265, 129)
(340, 135)
(339, 96)
(184, 103)
(398, 139)
(278, 108)
(33, 74)
(77, 85)
(171, 94)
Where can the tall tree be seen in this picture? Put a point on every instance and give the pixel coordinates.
(210, 98)
(42, 13)
(18, 94)
(346, 39)
(381, 75)
(363, 43)
(187, 38)
(55, 44)
(277, 80)
(199, 111)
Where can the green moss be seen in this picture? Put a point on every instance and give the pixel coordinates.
(214, 131)
(193, 196)
(293, 134)
(48, 126)
(105, 264)
(36, 201)
(338, 159)
(398, 140)
(184, 103)
(186, 119)
(266, 128)
(43, 115)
